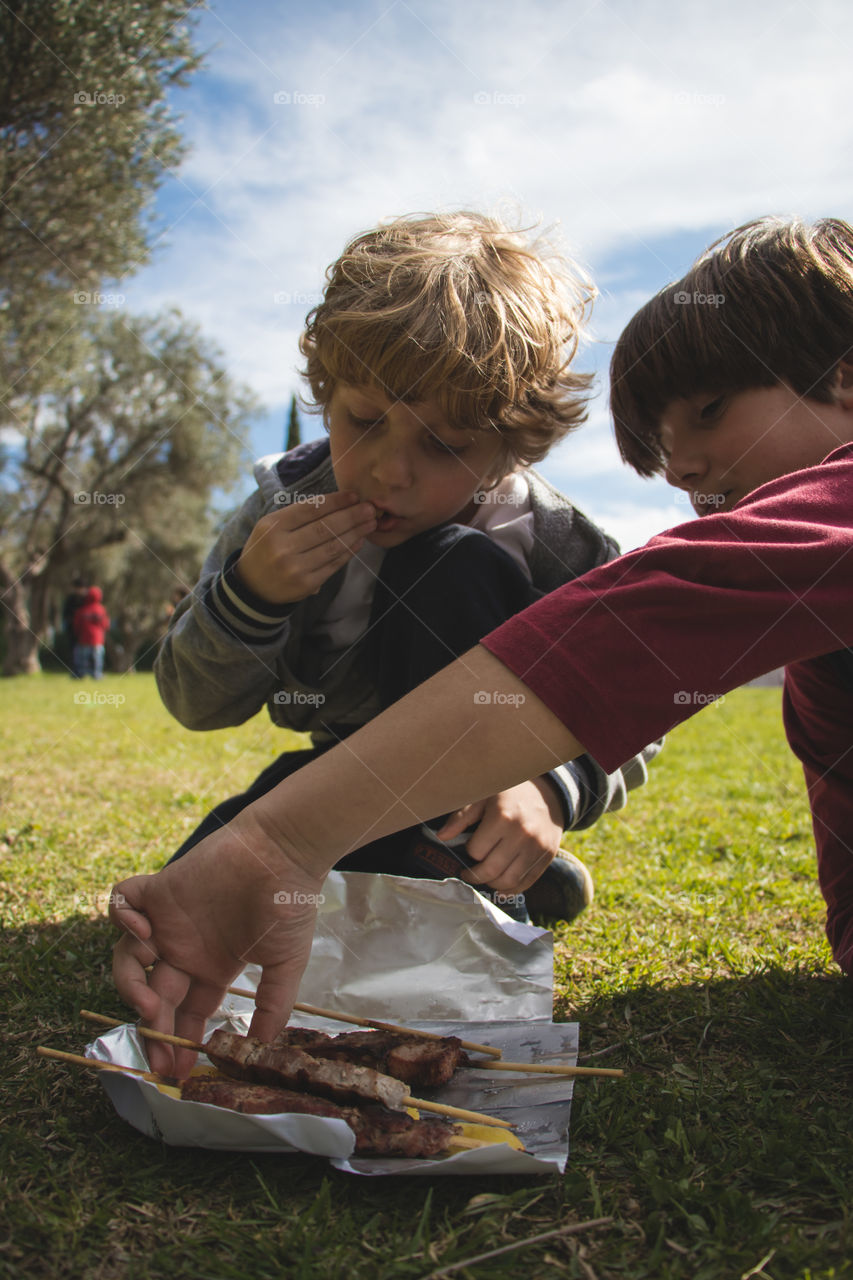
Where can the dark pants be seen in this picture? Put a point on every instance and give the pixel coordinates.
(438, 594)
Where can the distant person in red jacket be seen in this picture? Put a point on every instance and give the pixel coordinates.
(91, 624)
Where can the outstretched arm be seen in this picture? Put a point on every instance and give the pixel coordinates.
(248, 892)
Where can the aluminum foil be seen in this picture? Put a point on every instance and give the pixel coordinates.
(430, 954)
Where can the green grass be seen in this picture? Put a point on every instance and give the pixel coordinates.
(724, 1154)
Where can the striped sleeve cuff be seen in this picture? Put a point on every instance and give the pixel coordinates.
(576, 791)
(239, 611)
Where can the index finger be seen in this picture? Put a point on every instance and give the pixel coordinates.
(274, 1000)
(305, 508)
(131, 957)
(201, 1000)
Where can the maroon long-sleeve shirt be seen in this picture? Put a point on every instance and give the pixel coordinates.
(629, 650)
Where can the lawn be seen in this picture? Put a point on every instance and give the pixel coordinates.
(725, 1154)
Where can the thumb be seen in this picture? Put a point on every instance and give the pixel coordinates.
(126, 909)
(462, 818)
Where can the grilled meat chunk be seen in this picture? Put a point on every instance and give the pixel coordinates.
(248, 1059)
(301, 1038)
(418, 1062)
(256, 1099)
(378, 1132)
(412, 1059)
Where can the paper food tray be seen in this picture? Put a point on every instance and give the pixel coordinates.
(459, 967)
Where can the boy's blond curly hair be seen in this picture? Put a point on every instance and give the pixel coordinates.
(460, 309)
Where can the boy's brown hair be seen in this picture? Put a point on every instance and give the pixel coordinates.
(768, 303)
(459, 309)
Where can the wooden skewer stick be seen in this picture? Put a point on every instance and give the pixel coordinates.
(541, 1067)
(457, 1113)
(80, 1061)
(372, 1022)
(548, 1069)
(440, 1108)
(469, 1144)
(179, 1041)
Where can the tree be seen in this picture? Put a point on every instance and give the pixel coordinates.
(116, 469)
(294, 433)
(85, 138)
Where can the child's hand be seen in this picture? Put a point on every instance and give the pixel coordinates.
(518, 833)
(290, 553)
(237, 897)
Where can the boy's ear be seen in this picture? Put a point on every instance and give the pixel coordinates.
(843, 384)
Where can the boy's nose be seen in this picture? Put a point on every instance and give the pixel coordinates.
(392, 467)
(684, 468)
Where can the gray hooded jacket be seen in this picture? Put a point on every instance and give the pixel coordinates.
(227, 653)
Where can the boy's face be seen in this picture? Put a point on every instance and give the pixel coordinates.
(416, 469)
(722, 447)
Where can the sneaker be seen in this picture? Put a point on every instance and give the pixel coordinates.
(562, 892)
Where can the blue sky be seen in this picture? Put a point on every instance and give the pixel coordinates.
(638, 130)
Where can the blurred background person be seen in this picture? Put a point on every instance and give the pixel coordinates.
(91, 624)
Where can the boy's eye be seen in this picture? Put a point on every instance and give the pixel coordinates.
(441, 446)
(711, 409)
(363, 423)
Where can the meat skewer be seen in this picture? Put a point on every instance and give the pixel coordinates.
(413, 1032)
(409, 1033)
(245, 1057)
(422, 1063)
(378, 1131)
(418, 1063)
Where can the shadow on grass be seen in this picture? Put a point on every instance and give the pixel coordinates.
(727, 1140)
(733, 1124)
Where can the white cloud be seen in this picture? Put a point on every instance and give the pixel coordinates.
(626, 122)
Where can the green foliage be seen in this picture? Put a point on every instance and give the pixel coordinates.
(86, 135)
(294, 430)
(701, 967)
(131, 443)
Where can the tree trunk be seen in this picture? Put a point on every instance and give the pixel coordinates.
(22, 645)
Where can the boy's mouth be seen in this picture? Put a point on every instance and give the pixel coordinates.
(709, 504)
(386, 521)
